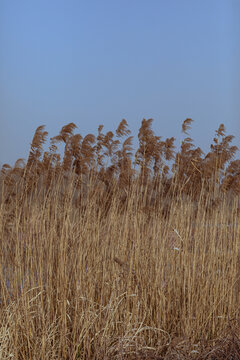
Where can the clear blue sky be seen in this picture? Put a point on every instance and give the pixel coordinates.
(95, 62)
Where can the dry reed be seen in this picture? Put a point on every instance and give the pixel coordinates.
(109, 256)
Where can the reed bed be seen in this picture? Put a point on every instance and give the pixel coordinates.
(109, 256)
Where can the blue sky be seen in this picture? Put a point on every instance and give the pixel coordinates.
(96, 62)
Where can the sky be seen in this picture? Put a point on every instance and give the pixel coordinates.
(95, 62)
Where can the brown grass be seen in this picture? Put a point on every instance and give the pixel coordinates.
(109, 256)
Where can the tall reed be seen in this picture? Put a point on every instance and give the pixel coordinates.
(101, 260)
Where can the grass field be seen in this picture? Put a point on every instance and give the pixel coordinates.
(109, 256)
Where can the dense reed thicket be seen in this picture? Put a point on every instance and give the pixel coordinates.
(107, 253)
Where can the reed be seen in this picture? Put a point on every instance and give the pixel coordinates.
(110, 255)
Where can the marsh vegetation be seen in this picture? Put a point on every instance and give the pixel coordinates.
(108, 253)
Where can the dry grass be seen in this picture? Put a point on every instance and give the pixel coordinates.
(103, 257)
